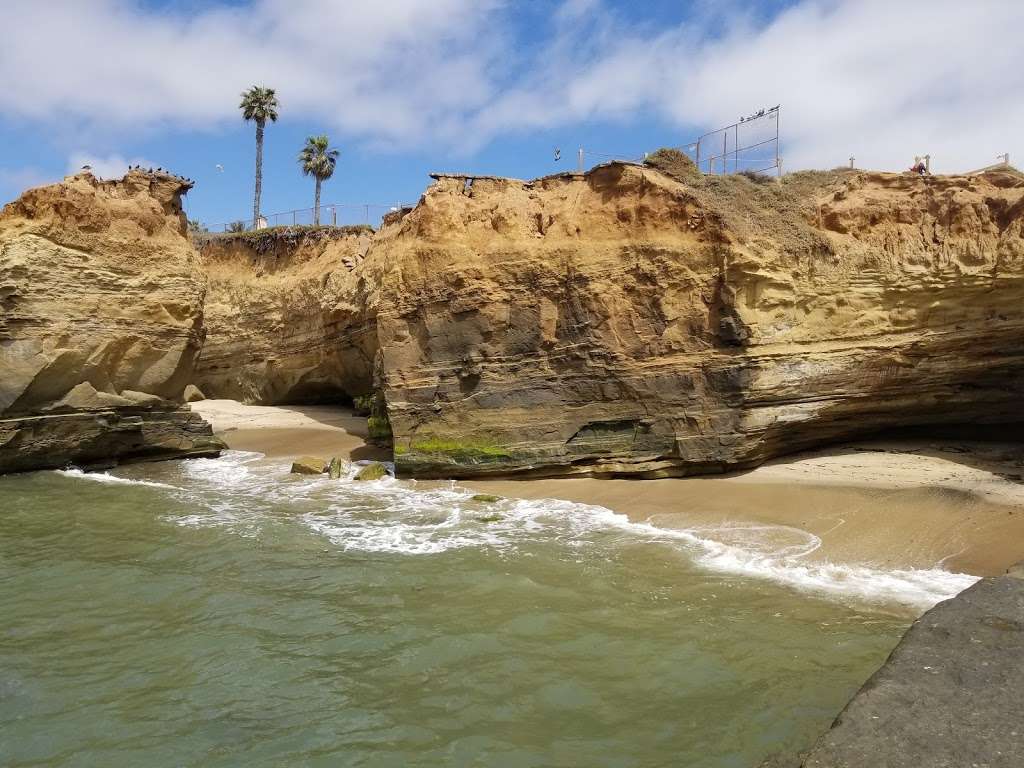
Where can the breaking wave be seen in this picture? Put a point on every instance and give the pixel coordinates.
(104, 477)
(241, 491)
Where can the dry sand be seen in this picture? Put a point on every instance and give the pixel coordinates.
(911, 504)
(290, 430)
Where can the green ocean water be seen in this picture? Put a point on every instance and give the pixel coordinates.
(223, 613)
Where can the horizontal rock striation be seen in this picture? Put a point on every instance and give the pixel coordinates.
(286, 316)
(626, 323)
(101, 324)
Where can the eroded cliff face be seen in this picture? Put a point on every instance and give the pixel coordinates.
(101, 324)
(287, 316)
(627, 323)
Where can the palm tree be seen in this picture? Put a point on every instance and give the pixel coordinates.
(318, 160)
(259, 104)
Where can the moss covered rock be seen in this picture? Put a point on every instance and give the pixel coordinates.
(373, 471)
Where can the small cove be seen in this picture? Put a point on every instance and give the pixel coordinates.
(221, 612)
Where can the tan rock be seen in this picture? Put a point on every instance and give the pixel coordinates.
(142, 398)
(193, 394)
(309, 465)
(85, 397)
(277, 302)
(374, 471)
(335, 468)
(101, 294)
(624, 322)
(660, 328)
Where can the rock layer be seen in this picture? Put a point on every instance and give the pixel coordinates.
(624, 322)
(101, 324)
(286, 316)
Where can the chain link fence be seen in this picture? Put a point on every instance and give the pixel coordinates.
(333, 215)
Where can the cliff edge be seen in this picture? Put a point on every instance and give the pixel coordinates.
(624, 322)
(101, 326)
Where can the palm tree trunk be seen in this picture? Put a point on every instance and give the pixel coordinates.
(316, 204)
(259, 174)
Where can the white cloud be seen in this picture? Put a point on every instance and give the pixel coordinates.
(391, 70)
(109, 167)
(877, 79)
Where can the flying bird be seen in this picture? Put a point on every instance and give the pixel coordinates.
(219, 167)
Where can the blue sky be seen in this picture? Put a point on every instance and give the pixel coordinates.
(404, 87)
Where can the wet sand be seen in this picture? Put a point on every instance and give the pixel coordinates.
(909, 504)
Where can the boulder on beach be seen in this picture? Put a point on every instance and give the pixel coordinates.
(309, 465)
(373, 471)
(193, 394)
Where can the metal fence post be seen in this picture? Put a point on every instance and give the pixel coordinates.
(736, 148)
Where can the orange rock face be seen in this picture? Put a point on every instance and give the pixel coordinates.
(285, 316)
(101, 325)
(628, 323)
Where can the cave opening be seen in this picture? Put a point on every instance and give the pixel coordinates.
(317, 393)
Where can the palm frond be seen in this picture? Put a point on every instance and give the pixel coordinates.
(259, 103)
(318, 159)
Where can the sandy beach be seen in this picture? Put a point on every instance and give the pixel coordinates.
(285, 430)
(911, 504)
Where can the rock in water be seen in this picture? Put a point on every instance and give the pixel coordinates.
(373, 471)
(335, 468)
(309, 465)
(101, 324)
(486, 498)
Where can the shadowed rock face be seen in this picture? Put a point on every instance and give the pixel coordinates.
(101, 324)
(626, 323)
(286, 317)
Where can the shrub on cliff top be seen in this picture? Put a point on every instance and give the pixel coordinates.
(263, 240)
(675, 163)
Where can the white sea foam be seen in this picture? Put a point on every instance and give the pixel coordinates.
(104, 477)
(391, 516)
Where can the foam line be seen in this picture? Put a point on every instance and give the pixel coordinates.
(392, 516)
(104, 477)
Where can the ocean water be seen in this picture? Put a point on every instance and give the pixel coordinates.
(221, 612)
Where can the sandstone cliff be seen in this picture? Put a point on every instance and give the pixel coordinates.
(624, 322)
(101, 324)
(286, 316)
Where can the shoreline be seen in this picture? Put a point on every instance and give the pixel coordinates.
(913, 504)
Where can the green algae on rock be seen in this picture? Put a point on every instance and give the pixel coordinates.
(374, 471)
